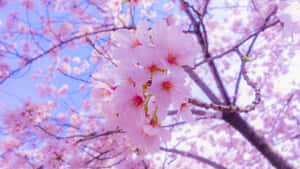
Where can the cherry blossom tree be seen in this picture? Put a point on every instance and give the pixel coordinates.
(146, 84)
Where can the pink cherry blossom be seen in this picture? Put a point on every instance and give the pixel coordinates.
(138, 84)
(165, 87)
(130, 107)
(176, 44)
(3, 3)
(62, 90)
(27, 4)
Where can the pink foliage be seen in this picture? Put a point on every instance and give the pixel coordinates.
(144, 84)
(27, 4)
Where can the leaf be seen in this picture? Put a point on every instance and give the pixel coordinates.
(246, 58)
(146, 104)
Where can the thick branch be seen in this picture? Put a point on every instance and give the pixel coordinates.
(257, 141)
(206, 53)
(201, 84)
(235, 119)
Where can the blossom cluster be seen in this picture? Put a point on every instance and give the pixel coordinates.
(148, 80)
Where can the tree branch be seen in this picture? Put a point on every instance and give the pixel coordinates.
(227, 108)
(207, 55)
(201, 84)
(73, 77)
(58, 45)
(195, 157)
(241, 42)
(236, 121)
(83, 137)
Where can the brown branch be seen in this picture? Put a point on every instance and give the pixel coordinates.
(90, 137)
(194, 111)
(205, 7)
(201, 24)
(60, 44)
(194, 156)
(227, 108)
(73, 77)
(202, 114)
(213, 116)
(201, 84)
(109, 58)
(253, 85)
(243, 62)
(114, 164)
(282, 110)
(237, 85)
(146, 166)
(206, 52)
(196, 25)
(98, 156)
(56, 136)
(83, 137)
(236, 121)
(235, 47)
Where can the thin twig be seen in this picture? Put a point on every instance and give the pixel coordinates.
(101, 53)
(241, 42)
(195, 157)
(73, 77)
(60, 44)
(83, 137)
(194, 111)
